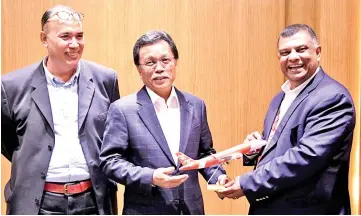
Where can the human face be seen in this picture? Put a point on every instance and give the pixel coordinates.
(159, 77)
(299, 57)
(65, 43)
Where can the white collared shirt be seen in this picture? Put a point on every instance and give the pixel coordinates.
(67, 163)
(290, 96)
(168, 114)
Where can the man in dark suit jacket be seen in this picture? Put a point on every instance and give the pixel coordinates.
(145, 129)
(53, 119)
(309, 126)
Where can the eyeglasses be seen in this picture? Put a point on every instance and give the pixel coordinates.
(152, 63)
(65, 15)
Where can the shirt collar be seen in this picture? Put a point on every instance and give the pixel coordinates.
(156, 99)
(54, 81)
(287, 88)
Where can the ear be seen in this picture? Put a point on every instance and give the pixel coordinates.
(43, 38)
(318, 53)
(278, 55)
(139, 71)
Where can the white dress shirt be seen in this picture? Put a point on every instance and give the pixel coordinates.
(168, 114)
(290, 96)
(67, 163)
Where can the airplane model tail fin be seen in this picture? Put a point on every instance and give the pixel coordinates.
(184, 159)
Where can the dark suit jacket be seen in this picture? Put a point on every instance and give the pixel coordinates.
(134, 146)
(28, 132)
(304, 169)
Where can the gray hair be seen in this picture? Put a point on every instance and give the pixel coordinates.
(152, 37)
(50, 12)
(293, 29)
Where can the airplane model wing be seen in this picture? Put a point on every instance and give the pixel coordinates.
(233, 153)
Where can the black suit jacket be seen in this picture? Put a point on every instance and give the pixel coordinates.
(134, 146)
(28, 132)
(304, 168)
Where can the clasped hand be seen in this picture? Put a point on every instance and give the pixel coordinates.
(232, 190)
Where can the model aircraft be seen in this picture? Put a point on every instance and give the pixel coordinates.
(221, 157)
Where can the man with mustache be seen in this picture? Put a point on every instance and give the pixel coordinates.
(53, 119)
(145, 130)
(309, 127)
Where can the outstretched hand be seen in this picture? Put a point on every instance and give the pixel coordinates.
(253, 136)
(162, 178)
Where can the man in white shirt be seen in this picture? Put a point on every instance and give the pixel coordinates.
(145, 130)
(309, 127)
(53, 119)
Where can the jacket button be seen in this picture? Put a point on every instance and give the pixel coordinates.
(50, 148)
(43, 175)
(37, 201)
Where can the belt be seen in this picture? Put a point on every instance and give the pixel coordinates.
(68, 188)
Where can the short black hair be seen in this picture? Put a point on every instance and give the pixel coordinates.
(50, 12)
(152, 37)
(293, 29)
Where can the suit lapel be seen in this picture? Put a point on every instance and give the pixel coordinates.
(85, 93)
(283, 122)
(40, 95)
(147, 113)
(186, 115)
(304, 94)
